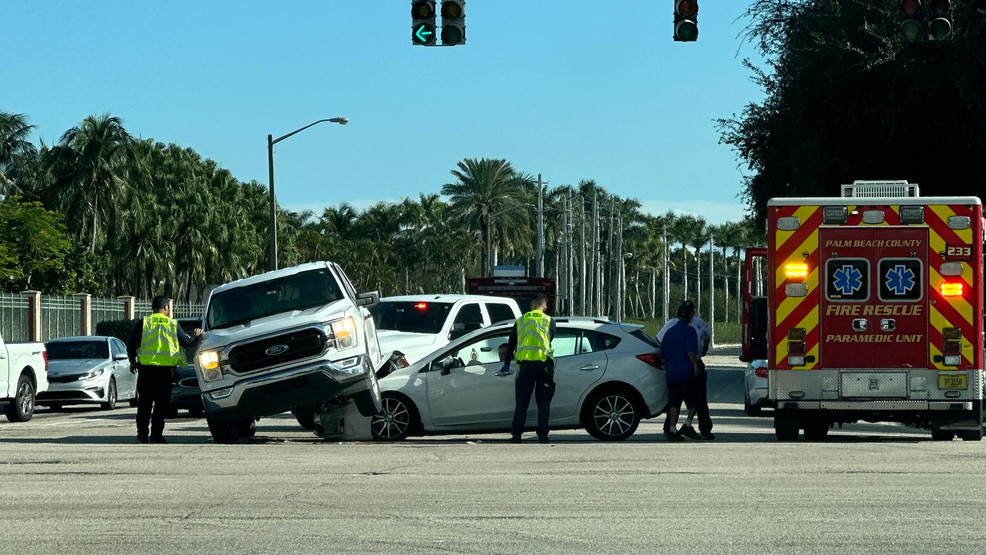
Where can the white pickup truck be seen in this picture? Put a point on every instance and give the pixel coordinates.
(289, 340)
(24, 372)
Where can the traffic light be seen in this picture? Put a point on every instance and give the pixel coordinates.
(685, 20)
(911, 27)
(940, 27)
(423, 22)
(453, 22)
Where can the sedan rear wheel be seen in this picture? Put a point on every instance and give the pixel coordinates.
(613, 415)
(395, 421)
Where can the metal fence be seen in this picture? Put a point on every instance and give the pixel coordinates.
(60, 317)
(14, 320)
(63, 316)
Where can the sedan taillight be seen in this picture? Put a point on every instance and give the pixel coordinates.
(651, 358)
(761, 371)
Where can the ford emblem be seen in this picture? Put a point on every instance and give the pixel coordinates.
(276, 350)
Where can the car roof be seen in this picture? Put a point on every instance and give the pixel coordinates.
(79, 338)
(443, 298)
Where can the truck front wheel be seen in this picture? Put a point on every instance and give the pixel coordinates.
(21, 407)
(222, 432)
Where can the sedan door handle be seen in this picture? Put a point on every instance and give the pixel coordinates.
(589, 368)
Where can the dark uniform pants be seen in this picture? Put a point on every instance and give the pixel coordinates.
(537, 378)
(153, 388)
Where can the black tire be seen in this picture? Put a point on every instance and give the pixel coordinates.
(786, 434)
(110, 403)
(816, 433)
(196, 412)
(222, 432)
(396, 421)
(971, 435)
(750, 409)
(612, 414)
(938, 434)
(368, 402)
(305, 417)
(21, 407)
(246, 428)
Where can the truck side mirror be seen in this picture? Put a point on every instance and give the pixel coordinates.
(367, 298)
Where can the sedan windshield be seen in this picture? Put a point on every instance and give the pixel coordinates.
(410, 316)
(299, 291)
(65, 350)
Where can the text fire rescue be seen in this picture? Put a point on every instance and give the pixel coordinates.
(873, 310)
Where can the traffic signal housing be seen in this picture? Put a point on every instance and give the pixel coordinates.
(940, 22)
(685, 20)
(911, 26)
(453, 22)
(423, 22)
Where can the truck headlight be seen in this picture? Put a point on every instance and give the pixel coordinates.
(209, 363)
(344, 332)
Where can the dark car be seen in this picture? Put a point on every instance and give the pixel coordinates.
(185, 392)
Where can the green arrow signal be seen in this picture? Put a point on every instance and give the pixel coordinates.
(424, 33)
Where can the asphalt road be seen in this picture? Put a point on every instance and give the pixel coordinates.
(77, 482)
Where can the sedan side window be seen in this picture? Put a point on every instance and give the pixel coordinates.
(566, 343)
(482, 351)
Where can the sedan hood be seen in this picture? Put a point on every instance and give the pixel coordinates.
(74, 366)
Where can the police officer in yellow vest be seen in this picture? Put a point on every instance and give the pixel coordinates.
(530, 341)
(153, 347)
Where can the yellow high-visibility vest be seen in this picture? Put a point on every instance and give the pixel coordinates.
(533, 341)
(159, 342)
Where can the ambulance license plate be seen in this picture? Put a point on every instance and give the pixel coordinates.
(952, 381)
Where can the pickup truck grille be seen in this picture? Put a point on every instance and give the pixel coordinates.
(277, 350)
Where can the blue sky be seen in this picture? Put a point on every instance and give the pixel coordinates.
(571, 89)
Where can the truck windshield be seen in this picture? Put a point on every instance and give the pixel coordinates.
(299, 291)
(410, 316)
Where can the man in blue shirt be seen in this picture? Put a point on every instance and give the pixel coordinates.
(679, 350)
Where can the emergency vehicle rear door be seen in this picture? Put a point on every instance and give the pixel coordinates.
(874, 302)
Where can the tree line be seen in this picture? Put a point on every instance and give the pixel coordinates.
(106, 213)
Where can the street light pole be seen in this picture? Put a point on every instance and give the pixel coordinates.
(271, 141)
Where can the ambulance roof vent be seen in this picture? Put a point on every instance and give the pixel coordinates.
(879, 189)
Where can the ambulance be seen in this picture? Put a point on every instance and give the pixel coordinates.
(875, 311)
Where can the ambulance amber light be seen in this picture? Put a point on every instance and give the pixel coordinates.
(796, 334)
(959, 222)
(796, 271)
(912, 214)
(949, 289)
(788, 223)
(951, 333)
(835, 215)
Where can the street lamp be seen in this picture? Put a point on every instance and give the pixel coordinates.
(271, 141)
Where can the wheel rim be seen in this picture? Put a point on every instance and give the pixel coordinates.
(613, 415)
(26, 401)
(394, 421)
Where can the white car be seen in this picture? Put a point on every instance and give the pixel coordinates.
(606, 376)
(755, 396)
(88, 369)
(416, 325)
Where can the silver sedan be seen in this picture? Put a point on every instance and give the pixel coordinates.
(606, 374)
(88, 369)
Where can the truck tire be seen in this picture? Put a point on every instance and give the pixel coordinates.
(816, 433)
(971, 435)
(222, 432)
(938, 434)
(786, 434)
(246, 428)
(305, 417)
(368, 401)
(21, 407)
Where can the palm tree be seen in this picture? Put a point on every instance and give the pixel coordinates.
(488, 194)
(14, 149)
(98, 152)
